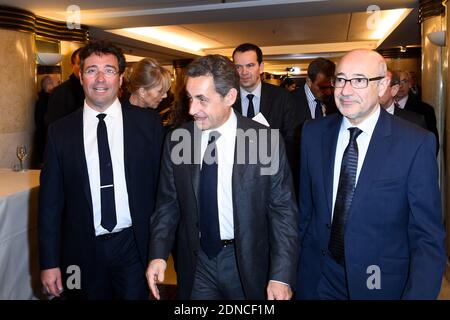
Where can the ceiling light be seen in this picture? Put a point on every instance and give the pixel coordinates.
(388, 21)
(174, 39)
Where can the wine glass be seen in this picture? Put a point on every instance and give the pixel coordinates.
(21, 154)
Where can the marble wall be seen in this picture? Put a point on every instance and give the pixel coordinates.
(18, 94)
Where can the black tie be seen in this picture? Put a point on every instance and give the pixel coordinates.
(209, 212)
(108, 206)
(344, 196)
(251, 108)
(318, 112)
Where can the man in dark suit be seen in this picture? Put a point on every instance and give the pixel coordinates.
(234, 216)
(370, 207)
(387, 101)
(315, 98)
(68, 96)
(409, 101)
(97, 189)
(274, 103)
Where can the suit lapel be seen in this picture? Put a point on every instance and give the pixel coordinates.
(265, 103)
(329, 141)
(196, 135)
(79, 143)
(379, 146)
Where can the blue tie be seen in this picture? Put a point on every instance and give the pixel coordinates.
(209, 212)
(344, 196)
(318, 111)
(251, 108)
(108, 206)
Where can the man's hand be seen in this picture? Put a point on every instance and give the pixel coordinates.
(155, 274)
(51, 281)
(278, 291)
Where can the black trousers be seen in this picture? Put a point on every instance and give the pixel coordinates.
(120, 273)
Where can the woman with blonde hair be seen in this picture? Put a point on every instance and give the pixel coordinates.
(148, 84)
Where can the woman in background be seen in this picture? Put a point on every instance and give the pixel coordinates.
(148, 84)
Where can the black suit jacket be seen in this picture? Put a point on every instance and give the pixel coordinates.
(411, 116)
(264, 211)
(416, 105)
(66, 224)
(65, 99)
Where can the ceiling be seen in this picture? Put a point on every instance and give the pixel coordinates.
(290, 32)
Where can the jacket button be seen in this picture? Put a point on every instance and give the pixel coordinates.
(324, 252)
(328, 225)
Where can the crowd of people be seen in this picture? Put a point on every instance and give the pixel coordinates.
(326, 191)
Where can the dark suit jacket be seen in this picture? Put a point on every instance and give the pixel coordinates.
(303, 114)
(416, 105)
(411, 116)
(395, 219)
(265, 230)
(278, 108)
(65, 99)
(66, 223)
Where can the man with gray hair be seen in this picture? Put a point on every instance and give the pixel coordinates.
(370, 206)
(235, 227)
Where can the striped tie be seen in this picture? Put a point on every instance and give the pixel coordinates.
(344, 196)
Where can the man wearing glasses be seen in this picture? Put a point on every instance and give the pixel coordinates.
(370, 208)
(97, 189)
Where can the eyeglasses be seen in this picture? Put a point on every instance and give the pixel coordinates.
(107, 72)
(404, 81)
(357, 83)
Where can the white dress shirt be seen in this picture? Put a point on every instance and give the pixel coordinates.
(256, 99)
(363, 140)
(312, 102)
(225, 152)
(114, 126)
(391, 108)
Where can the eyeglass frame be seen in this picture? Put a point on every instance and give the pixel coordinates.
(97, 71)
(333, 79)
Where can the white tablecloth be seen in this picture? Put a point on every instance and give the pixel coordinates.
(19, 269)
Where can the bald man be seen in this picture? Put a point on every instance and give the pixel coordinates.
(370, 208)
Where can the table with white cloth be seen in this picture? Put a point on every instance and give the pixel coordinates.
(19, 269)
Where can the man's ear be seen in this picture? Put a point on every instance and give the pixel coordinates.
(394, 89)
(261, 67)
(230, 97)
(383, 86)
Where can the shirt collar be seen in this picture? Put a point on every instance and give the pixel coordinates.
(367, 126)
(112, 111)
(309, 94)
(226, 128)
(256, 92)
(391, 108)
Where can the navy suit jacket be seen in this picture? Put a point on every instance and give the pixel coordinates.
(395, 219)
(66, 223)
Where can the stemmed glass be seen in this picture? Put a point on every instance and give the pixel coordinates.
(21, 154)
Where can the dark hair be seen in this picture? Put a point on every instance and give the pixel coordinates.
(74, 55)
(249, 47)
(395, 78)
(220, 68)
(287, 82)
(100, 48)
(321, 65)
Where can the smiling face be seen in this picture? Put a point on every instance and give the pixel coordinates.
(100, 90)
(358, 104)
(209, 109)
